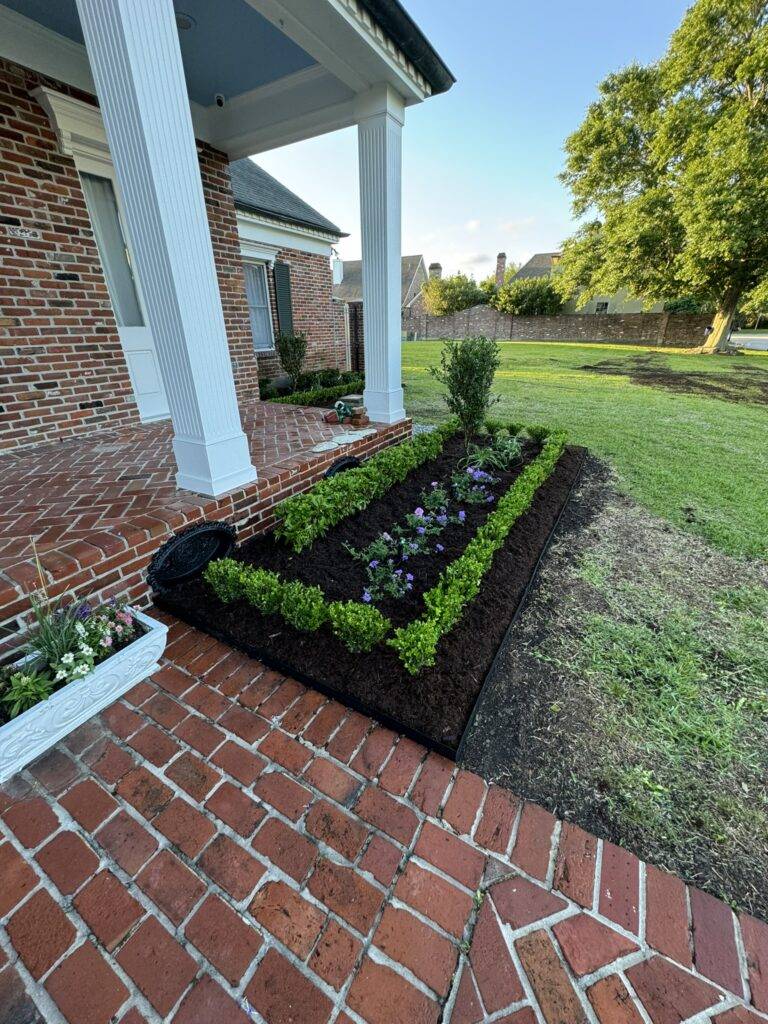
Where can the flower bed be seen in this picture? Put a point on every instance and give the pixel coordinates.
(392, 585)
(80, 660)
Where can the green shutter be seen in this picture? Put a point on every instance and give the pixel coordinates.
(283, 296)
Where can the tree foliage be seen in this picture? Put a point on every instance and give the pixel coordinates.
(292, 351)
(445, 295)
(466, 371)
(528, 296)
(670, 165)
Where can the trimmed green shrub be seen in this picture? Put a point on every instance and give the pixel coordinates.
(359, 626)
(460, 582)
(320, 396)
(292, 351)
(466, 371)
(303, 606)
(305, 517)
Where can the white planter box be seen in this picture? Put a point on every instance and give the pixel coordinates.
(33, 732)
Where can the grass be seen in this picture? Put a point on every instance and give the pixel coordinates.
(701, 462)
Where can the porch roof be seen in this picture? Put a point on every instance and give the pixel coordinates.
(259, 73)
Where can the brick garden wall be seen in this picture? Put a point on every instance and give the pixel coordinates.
(63, 367)
(314, 312)
(622, 328)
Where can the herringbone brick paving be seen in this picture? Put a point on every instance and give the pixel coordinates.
(97, 507)
(225, 845)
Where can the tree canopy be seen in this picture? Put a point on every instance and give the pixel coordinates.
(670, 166)
(528, 296)
(445, 295)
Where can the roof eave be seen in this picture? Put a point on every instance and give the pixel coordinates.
(326, 229)
(397, 23)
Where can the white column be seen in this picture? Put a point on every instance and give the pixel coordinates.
(380, 123)
(133, 49)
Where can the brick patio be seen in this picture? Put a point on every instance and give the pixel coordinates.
(99, 506)
(224, 838)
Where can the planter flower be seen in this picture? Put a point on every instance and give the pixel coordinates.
(80, 660)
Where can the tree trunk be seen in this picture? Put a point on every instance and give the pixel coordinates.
(717, 340)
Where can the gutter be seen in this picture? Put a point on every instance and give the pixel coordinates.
(393, 18)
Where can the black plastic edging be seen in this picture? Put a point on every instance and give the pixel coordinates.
(350, 701)
(490, 675)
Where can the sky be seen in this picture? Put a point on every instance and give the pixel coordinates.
(480, 163)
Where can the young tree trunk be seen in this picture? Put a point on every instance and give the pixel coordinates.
(717, 339)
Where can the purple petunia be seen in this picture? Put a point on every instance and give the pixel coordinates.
(374, 564)
(462, 516)
(433, 484)
(421, 529)
(409, 577)
(439, 547)
(367, 596)
(418, 511)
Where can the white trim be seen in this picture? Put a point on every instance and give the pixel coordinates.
(258, 252)
(78, 125)
(257, 230)
(34, 46)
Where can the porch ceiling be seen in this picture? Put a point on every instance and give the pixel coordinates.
(287, 69)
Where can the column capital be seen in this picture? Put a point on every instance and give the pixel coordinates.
(380, 99)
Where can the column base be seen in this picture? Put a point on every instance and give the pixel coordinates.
(215, 467)
(384, 406)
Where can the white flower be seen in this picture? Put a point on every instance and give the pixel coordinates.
(86, 650)
(68, 658)
(61, 674)
(80, 629)
(81, 670)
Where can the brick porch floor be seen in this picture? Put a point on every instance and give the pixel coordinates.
(98, 507)
(224, 838)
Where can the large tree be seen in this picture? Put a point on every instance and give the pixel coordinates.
(671, 167)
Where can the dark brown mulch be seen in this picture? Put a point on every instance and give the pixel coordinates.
(435, 705)
(745, 385)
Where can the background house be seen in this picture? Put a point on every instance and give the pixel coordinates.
(544, 264)
(413, 273)
(287, 248)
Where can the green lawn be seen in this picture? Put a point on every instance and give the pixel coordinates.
(701, 462)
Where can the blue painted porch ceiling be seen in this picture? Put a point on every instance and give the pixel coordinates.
(231, 49)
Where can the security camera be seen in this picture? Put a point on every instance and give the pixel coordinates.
(220, 99)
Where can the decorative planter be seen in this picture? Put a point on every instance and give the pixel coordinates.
(33, 732)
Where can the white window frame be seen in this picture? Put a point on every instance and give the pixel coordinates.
(265, 264)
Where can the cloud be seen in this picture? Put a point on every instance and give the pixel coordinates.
(516, 227)
(472, 225)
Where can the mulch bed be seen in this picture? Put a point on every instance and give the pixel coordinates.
(436, 705)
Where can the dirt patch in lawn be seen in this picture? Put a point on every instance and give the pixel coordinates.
(632, 695)
(436, 704)
(746, 384)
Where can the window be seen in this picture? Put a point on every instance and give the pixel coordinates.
(110, 241)
(601, 307)
(257, 294)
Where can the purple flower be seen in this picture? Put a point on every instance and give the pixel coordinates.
(433, 484)
(398, 572)
(418, 511)
(443, 520)
(439, 547)
(490, 498)
(409, 577)
(386, 536)
(367, 596)
(374, 564)
(462, 516)
(405, 558)
(83, 611)
(421, 529)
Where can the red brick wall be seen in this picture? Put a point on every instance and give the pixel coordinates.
(222, 221)
(314, 312)
(63, 367)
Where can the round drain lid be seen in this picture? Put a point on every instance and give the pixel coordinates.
(188, 552)
(342, 465)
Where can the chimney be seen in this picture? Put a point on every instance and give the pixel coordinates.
(501, 266)
(435, 270)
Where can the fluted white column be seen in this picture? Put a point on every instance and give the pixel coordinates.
(380, 124)
(133, 49)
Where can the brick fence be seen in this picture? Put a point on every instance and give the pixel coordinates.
(667, 329)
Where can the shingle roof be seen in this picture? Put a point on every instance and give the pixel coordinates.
(539, 265)
(258, 192)
(351, 288)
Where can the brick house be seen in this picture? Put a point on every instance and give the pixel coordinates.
(146, 264)
(349, 291)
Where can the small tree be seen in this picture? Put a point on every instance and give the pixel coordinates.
(445, 295)
(292, 351)
(528, 296)
(466, 371)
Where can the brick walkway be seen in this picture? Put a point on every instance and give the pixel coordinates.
(225, 838)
